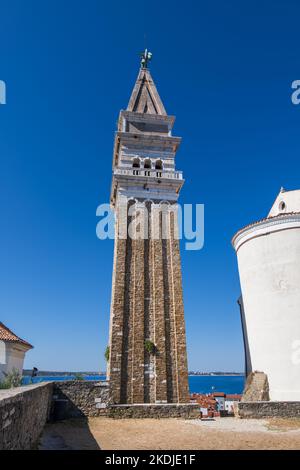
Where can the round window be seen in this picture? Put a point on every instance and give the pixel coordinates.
(282, 206)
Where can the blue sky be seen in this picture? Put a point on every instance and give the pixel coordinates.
(224, 69)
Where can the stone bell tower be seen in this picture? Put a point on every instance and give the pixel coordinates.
(147, 360)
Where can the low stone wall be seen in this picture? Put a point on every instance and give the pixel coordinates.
(23, 414)
(75, 399)
(269, 409)
(151, 410)
(78, 398)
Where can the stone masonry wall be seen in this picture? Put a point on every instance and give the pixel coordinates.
(186, 411)
(269, 409)
(256, 388)
(23, 414)
(78, 398)
(75, 399)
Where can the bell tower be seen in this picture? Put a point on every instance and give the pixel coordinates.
(147, 344)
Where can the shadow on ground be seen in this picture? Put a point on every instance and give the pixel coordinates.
(73, 434)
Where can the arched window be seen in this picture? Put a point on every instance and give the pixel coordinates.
(158, 166)
(147, 167)
(136, 164)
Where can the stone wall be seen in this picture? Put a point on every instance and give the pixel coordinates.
(23, 414)
(256, 388)
(269, 409)
(75, 399)
(78, 398)
(167, 410)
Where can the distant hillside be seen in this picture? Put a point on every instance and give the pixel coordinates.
(53, 373)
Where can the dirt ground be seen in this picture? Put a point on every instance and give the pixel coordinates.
(167, 434)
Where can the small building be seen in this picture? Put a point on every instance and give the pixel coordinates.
(207, 404)
(12, 351)
(216, 404)
(230, 400)
(220, 399)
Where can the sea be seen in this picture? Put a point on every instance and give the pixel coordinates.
(197, 383)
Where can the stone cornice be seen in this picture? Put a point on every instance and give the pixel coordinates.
(169, 186)
(142, 117)
(148, 138)
(265, 226)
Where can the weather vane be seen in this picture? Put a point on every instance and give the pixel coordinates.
(145, 58)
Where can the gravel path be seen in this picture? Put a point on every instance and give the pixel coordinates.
(233, 424)
(167, 434)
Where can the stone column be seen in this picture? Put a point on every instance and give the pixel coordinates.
(171, 364)
(148, 311)
(159, 337)
(128, 293)
(117, 304)
(181, 370)
(137, 332)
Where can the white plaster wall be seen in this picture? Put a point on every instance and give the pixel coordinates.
(221, 402)
(11, 357)
(229, 404)
(2, 353)
(269, 268)
(291, 201)
(2, 359)
(15, 357)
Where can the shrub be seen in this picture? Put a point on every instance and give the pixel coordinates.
(78, 377)
(150, 347)
(4, 384)
(106, 353)
(12, 379)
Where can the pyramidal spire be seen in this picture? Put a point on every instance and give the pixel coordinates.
(144, 97)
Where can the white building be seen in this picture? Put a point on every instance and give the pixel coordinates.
(268, 253)
(220, 399)
(12, 351)
(230, 400)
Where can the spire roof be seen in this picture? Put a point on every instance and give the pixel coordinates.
(144, 97)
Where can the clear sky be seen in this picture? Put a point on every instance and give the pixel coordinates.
(224, 69)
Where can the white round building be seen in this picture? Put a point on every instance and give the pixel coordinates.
(268, 253)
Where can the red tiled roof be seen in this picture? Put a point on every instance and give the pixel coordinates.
(219, 394)
(7, 335)
(232, 396)
(205, 401)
